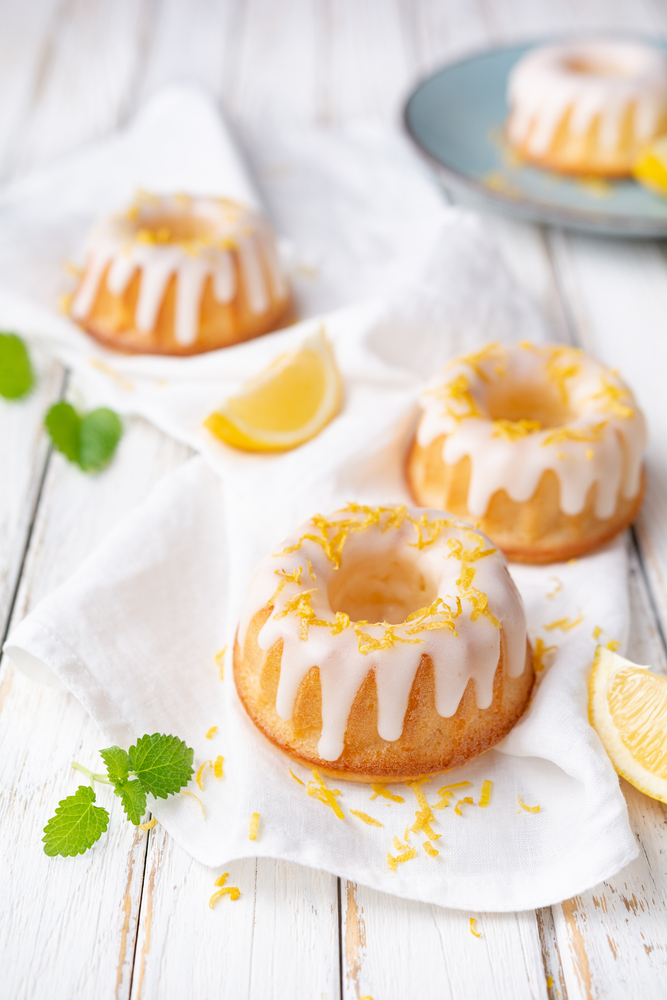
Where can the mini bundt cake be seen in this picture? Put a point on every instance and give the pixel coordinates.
(587, 107)
(539, 446)
(384, 643)
(180, 275)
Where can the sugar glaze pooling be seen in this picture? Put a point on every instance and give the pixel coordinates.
(125, 243)
(462, 564)
(601, 445)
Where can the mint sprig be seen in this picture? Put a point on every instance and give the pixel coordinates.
(90, 440)
(16, 375)
(157, 765)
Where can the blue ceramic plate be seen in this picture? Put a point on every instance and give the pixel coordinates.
(456, 117)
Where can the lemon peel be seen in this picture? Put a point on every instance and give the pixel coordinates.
(628, 709)
(529, 809)
(385, 793)
(253, 828)
(365, 818)
(473, 921)
(285, 405)
(485, 796)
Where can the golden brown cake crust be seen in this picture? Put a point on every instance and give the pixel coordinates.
(429, 743)
(536, 531)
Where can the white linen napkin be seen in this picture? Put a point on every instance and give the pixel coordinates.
(133, 634)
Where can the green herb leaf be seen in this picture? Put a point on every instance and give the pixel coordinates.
(76, 825)
(117, 763)
(16, 377)
(133, 797)
(64, 425)
(101, 431)
(163, 764)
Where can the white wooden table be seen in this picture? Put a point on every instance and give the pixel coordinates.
(131, 919)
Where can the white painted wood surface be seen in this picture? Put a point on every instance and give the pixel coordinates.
(130, 919)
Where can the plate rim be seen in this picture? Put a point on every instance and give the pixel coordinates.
(588, 221)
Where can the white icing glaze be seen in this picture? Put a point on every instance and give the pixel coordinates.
(450, 559)
(604, 416)
(234, 238)
(545, 84)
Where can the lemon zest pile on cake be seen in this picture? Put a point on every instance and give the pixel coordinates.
(594, 432)
(365, 818)
(457, 394)
(514, 429)
(318, 790)
(530, 809)
(611, 397)
(561, 366)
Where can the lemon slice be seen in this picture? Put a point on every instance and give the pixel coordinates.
(651, 167)
(285, 405)
(627, 707)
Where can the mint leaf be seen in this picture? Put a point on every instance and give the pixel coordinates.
(64, 425)
(76, 825)
(163, 764)
(101, 430)
(16, 377)
(117, 764)
(133, 797)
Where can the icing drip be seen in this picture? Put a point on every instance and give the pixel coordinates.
(592, 80)
(599, 440)
(466, 593)
(214, 234)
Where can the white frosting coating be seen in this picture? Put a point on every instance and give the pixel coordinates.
(601, 443)
(590, 79)
(465, 571)
(232, 236)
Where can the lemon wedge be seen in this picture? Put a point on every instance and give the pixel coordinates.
(286, 404)
(651, 167)
(627, 707)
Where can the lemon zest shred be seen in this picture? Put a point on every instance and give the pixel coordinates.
(365, 818)
(295, 777)
(597, 632)
(564, 623)
(253, 827)
(512, 430)
(199, 778)
(550, 982)
(595, 432)
(613, 644)
(311, 572)
(192, 795)
(456, 398)
(220, 661)
(211, 732)
(221, 879)
(231, 890)
(530, 809)
(485, 796)
(539, 652)
(285, 578)
(318, 790)
(217, 766)
(446, 793)
(384, 792)
(557, 588)
(473, 921)
(561, 366)
(400, 858)
(610, 397)
(462, 802)
(148, 825)
(430, 849)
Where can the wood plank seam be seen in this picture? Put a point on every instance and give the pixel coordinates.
(141, 898)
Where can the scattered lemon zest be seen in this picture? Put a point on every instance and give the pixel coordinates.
(199, 776)
(384, 792)
(295, 777)
(596, 633)
(318, 790)
(550, 982)
(458, 402)
(220, 661)
(285, 578)
(148, 825)
(221, 879)
(217, 766)
(594, 432)
(424, 815)
(561, 366)
(254, 826)
(564, 623)
(211, 732)
(558, 587)
(612, 644)
(446, 793)
(473, 921)
(407, 855)
(530, 809)
(485, 796)
(539, 652)
(365, 818)
(231, 890)
(610, 397)
(430, 849)
(515, 429)
(462, 802)
(192, 795)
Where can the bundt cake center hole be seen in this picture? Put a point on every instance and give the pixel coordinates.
(381, 588)
(539, 402)
(169, 227)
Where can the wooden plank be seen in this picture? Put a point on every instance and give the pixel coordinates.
(612, 939)
(280, 938)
